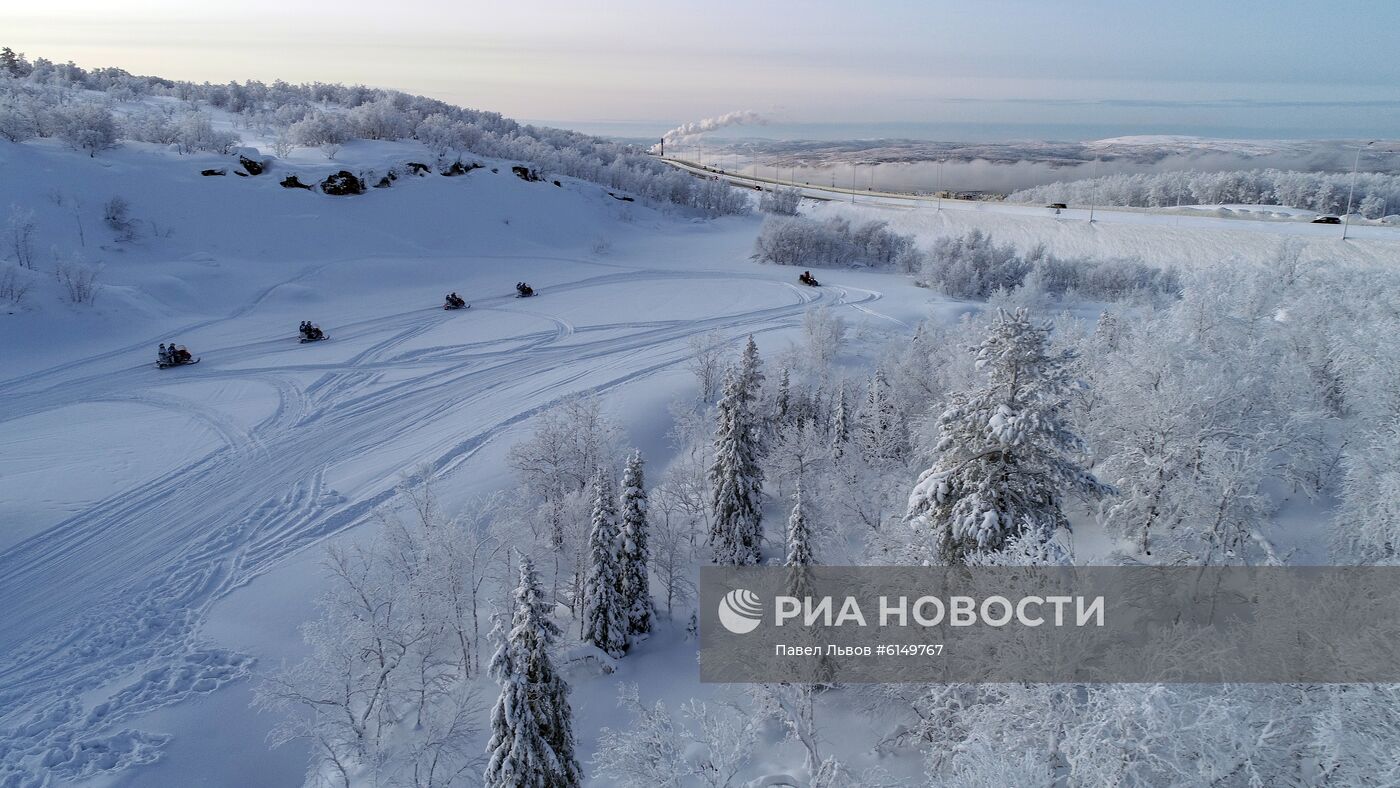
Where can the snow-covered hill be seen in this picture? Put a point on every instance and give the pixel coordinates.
(135, 500)
(155, 525)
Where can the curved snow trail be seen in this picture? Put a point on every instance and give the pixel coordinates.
(101, 613)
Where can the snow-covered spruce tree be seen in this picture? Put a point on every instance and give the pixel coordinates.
(880, 430)
(782, 397)
(799, 535)
(532, 735)
(1005, 454)
(636, 553)
(604, 621)
(736, 479)
(840, 422)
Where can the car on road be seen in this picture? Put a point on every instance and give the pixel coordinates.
(1059, 206)
(1326, 220)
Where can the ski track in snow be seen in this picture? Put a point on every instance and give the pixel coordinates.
(104, 609)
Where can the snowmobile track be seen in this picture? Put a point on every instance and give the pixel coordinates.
(140, 569)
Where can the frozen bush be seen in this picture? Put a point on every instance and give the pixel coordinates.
(86, 127)
(812, 243)
(19, 235)
(116, 214)
(1320, 191)
(13, 284)
(195, 132)
(974, 266)
(78, 280)
(782, 201)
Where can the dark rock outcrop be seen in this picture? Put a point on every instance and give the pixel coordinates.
(251, 167)
(620, 197)
(418, 168)
(208, 173)
(387, 180)
(291, 182)
(525, 173)
(342, 183)
(458, 168)
(557, 183)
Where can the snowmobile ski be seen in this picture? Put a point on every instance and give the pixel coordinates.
(182, 364)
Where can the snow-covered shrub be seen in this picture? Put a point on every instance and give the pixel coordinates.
(382, 119)
(195, 131)
(974, 266)
(148, 125)
(13, 284)
(781, 200)
(322, 130)
(19, 114)
(19, 236)
(708, 745)
(116, 214)
(812, 243)
(86, 126)
(79, 281)
(1320, 191)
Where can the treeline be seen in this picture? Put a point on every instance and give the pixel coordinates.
(42, 99)
(969, 266)
(1377, 195)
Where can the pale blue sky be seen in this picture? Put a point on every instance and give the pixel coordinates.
(1287, 63)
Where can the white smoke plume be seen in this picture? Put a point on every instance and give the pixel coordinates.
(740, 118)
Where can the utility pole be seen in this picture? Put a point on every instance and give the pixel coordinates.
(1346, 218)
(939, 185)
(1093, 192)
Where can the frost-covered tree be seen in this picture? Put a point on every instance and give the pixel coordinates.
(782, 200)
(1005, 454)
(195, 132)
(840, 421)
(605, 613)
(532, 735)
(636, 548)
(799, 535)
(707, 362)
(736, 478)
(708, 745)
(824, 331)
(86, 126)
(1368, 527)
(880, 431)
(750, 377)
(782, 397)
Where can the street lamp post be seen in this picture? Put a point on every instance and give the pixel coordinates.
(1355, 163)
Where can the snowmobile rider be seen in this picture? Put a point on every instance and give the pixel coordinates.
(523, 289)
(163, 354)
(455, 300)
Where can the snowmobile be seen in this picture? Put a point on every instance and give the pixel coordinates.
(176, 356)
(455, 301)
(807, 279)
(312, 333)
(523, 290)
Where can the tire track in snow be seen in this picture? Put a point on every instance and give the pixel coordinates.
(112, 598)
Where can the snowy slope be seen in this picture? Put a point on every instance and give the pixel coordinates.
(134, 500)
(154, 524)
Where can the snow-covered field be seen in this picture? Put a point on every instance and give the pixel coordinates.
(138, 504)
(157, 526)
